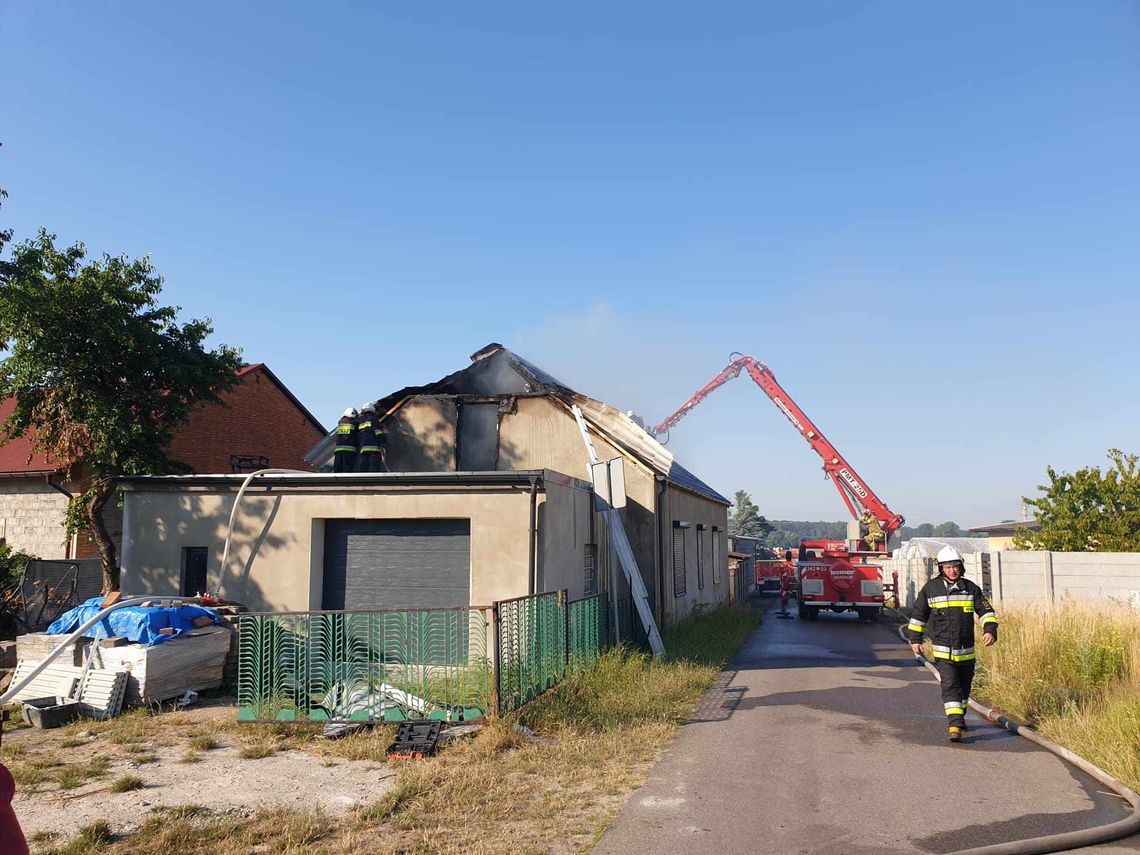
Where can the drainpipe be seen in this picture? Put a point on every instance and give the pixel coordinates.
(532, 562)
(59, 488)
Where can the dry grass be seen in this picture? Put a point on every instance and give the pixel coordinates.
(34, 771)
(498, 791)
(257, 751)
(1072, 672)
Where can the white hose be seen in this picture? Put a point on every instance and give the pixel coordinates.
(237, 501)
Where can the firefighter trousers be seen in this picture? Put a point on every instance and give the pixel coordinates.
(957, 678)
(344, 461)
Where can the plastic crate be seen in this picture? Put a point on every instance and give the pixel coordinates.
(46, 713)
(415, 739)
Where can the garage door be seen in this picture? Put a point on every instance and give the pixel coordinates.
(396, 564)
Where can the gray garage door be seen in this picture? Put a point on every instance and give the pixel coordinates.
(396, 564)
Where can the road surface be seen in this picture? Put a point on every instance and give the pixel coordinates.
(825, 737)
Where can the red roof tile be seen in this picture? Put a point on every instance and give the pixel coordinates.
(18, 456)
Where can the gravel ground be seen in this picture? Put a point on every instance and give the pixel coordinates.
(221, 781)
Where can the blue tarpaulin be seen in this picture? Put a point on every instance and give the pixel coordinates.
(137, 623)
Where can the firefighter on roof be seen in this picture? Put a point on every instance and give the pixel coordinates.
(344, 454)
(944, 611)
(371, 439)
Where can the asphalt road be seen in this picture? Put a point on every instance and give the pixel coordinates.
(824, 737)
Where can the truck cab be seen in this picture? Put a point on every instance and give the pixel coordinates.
(834, 578)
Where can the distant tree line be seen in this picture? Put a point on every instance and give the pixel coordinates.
(786, 534)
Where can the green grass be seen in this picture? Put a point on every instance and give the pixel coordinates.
(1073, 673)
(90, 839)
(127, 783)
(710, 638)
(203, 742)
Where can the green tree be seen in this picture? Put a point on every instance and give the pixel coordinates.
(1089, 510)
(745, 519)
(948, 529)
(102, 373)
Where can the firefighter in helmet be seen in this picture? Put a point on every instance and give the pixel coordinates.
(944, 612)
(371, 439)
(344, 454)
(873, 530)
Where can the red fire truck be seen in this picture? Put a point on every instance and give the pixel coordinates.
(838, 575)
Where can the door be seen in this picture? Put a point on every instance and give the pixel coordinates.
(396, 564)
(194, 570)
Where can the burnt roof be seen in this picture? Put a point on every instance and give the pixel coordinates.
(496, 370)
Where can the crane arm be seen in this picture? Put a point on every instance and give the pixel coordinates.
(856, 495)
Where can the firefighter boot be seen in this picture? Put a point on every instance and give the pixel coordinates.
(955, 733)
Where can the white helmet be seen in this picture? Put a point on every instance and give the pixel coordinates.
(948, 555)
(350, 413)
(368, 408)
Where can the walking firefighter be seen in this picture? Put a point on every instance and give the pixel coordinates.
(944, 612)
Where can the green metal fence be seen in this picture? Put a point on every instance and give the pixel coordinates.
(589, 632)
(541, 639)
(450, 664)
(532, 641)
(365, 666)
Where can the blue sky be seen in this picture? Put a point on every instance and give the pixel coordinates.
(924, 217)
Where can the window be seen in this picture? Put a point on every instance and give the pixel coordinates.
(477, 437)
(590, 570)
(194, 570)
(680, 583)
(716, 555)
(701, 528)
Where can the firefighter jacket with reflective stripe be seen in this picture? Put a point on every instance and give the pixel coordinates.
(945, 614)
(370, 437)
(346, 434)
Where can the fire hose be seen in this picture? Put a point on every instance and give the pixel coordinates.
(1069, 839)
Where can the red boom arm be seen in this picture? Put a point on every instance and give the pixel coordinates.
(852, 489)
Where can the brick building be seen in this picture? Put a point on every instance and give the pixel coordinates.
(259, 423)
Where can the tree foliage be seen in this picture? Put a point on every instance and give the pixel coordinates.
(745, 519)
(1089, 510)
(102, 373)
(787, 534)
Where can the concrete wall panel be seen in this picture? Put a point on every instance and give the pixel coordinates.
(275, 563)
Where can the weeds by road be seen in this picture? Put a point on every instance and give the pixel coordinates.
(1073, 673)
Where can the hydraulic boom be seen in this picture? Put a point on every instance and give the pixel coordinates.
(860, 499)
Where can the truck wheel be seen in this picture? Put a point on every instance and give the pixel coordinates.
(812, 612)
(803, 612)
(869, 614)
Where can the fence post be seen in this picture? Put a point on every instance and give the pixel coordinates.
(564, 601)
(999, 589)
(496, 630)
(1048, 565)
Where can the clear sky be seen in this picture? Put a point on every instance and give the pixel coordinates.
(924, 216)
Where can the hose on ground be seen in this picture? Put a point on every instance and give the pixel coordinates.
(1069, 839)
